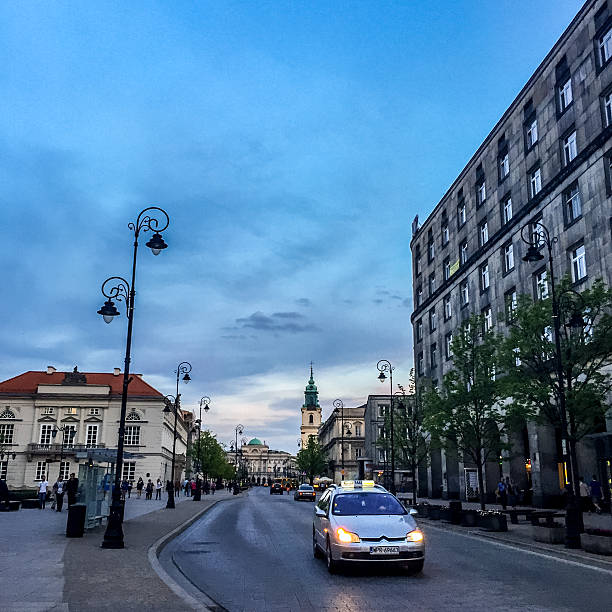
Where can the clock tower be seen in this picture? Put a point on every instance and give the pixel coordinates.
(311, 411)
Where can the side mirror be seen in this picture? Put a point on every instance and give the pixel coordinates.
(413, 512)
(319, 511)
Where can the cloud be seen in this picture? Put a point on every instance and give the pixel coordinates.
(303, 302)
(277, 322)
(407, 303)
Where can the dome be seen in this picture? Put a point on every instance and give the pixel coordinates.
(255, 442)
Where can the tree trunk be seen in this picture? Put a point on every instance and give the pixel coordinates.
(481, 485)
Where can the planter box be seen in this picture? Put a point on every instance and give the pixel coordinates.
(423, 510)
(493, 523)
(445, 514)
(548, 535)
(600, 545)
(30, 503)
(434, 513)
(469, 518)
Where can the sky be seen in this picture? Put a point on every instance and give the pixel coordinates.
(291, 144)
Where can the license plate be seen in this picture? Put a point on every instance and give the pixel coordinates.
(384, 550)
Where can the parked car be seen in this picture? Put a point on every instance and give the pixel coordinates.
(305, 493)
(276, 489)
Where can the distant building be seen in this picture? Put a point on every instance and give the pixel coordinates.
(262, 463)
(311, 412)
(39, 410)
(332, 443)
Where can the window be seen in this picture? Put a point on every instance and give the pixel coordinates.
(7, 414)
(71, 411)
(310, 419)
(504, 166)
(92, 435)
(484, 277)
(517, 359)
(7, 433)
(132, 435)
(605, 47)
(45, 434)
(433, 320)
(461, 214)
(535, 182)
(579, 270)
(487, 319)
(129, 470)
(47, 410)
(433, 353)
(531, 133)
(541, 285)
(432, 283)
(41, 470)
(132, 416)
(358, 430)
(506, 210)
(448, 310)
(419, 330)
(431, 249)
(508, 258)
(420, 364)
(607, 104)
(483, 233)
(94, 412)
(3, 470)
(418, 267)
(463, 252)
(448, 340)
(444, 231)
(570, 149)
(64, 470)
(419, 296)
(446, 268)
(572, 205)
(67, 437)
(510, 303)
(565, 95)
(465, 293)
(481, 192)
(382, 410)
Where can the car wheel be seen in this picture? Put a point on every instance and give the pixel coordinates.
(316, 551)
(332, 566)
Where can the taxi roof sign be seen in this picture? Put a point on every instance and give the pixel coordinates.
(357, 484)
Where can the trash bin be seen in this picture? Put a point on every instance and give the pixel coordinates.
(455, 512)
(75, 525)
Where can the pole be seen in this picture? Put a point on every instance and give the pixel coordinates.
(392, 434)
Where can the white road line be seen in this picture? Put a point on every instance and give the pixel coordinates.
(523, 550)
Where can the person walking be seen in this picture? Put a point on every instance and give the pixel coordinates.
(72, 488)
(503, 493)
(511, 489)
(43, 485)
(585, 495)
(186, 487)
(149, 490)
(59, 488)
(595, 487)
(139, 486)
(213, 487)
(177, 488)
(124, 489)
(129, 489)
(193, 487)
(158, 489)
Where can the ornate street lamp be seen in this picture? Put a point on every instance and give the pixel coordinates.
(204, 403)
(183, 368)
(385, 366)
(339, 408)
(537, 237)
(121, 290)
(238, 429)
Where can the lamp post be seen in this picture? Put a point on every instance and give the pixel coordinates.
(385, 366)
(238, 430)
(339, 408)
(183, 368)
(537, 237)
(204, 403)
(71, 433)
(120, 290)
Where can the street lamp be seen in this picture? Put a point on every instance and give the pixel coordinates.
(385, 366)
(71, 433)
(121, 290)
(537, 237)
(238, 429)
(339, 408)
(183, 368)
(204, 403)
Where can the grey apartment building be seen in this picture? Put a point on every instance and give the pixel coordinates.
(548, 159)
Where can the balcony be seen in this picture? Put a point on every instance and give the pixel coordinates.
(56, 449)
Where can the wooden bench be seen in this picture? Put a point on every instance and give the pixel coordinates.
(515, 513)
(549, 517)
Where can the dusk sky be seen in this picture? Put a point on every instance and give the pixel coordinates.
(291, 143)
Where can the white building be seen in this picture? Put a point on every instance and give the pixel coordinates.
(40, 410)
(263, 464)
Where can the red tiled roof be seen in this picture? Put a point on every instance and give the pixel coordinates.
(27, 383)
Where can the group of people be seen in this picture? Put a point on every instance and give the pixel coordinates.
(190, 485)
(590, 495)
(508, 493)
(60, 488)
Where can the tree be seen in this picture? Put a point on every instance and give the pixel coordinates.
(211, 457)
(468, 413)
(311, 459)
(586, 351)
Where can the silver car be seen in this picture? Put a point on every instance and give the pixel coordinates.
(361, 521)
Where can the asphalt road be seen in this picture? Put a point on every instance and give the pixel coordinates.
(254, 553)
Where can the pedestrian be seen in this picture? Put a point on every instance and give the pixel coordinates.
(149, 494)
(59, 488)
(185, 487)
(503, 493)
(585, 495)
(4, 492)
(43, 485)
(213, 487)
(139, 486)
(158, 489)
(511, 489)
(206, 487)
(177, 488)
(595, 487)
(124, 489)
(72, 488)
(129, 489)
(193, 487)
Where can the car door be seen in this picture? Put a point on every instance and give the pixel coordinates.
(320, 522)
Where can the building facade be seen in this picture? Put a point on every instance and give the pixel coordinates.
(50, 421)
(351, 445)
(263, 464)
(547, 160)
(311, 412)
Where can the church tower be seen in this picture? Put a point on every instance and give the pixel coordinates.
(311, 411)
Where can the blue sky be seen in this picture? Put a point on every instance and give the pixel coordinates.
(292, 144)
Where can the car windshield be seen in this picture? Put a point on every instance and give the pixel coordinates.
(350, 504)
(306, 488)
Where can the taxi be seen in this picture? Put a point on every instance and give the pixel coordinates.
(360, 521)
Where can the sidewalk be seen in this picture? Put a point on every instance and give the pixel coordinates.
(521, 536)
(41, 569)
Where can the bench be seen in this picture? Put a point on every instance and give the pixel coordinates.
(515, 513)
(549, 517)
(10, 506)
(30, 503)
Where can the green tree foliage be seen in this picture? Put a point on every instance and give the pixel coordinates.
(210, 457)
(468, 413)
(311, 459)
(530, 353)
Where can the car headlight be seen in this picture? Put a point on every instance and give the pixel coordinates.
(415, 536)
(346, 536)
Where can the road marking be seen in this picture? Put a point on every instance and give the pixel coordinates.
(523, 550)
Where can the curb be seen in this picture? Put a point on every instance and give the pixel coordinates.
(203, 604)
